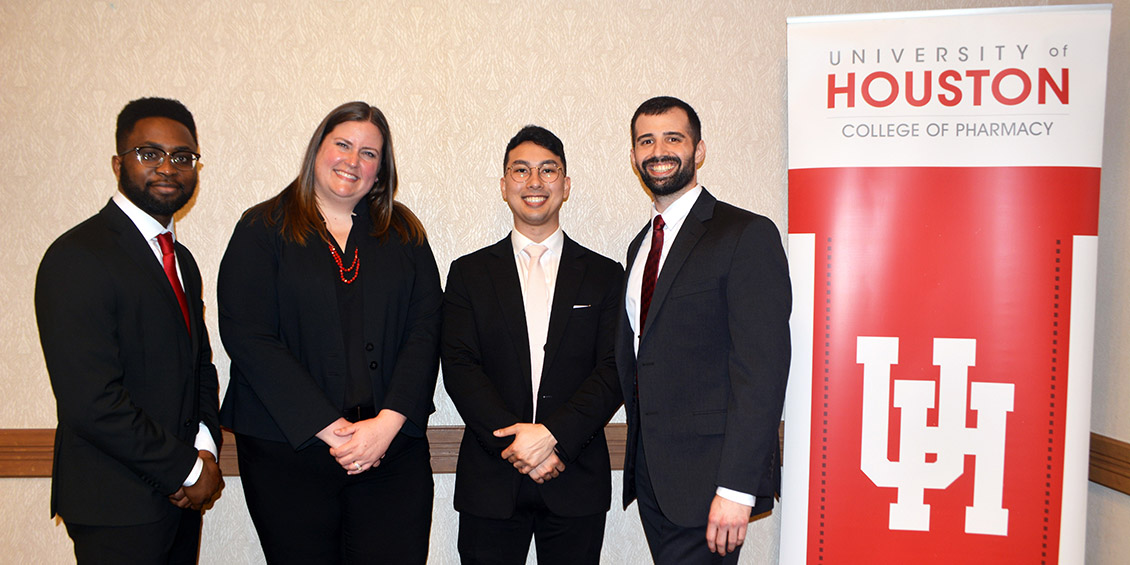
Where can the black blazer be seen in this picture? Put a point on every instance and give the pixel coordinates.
(131, 382)
(712, 363)
(280, 323)
(486, 369)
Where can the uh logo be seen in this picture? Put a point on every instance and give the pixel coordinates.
(949, 441)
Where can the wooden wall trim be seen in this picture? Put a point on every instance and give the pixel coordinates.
(27, 453)
(1110, 463)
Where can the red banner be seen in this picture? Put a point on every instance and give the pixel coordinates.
(944, 289)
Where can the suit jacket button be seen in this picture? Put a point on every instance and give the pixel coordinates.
(188, 423)
(368, 347)
(373, 365)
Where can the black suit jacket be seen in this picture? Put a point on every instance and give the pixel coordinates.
(131, 382)
(280, 323)
(712, 363)
(486, 369)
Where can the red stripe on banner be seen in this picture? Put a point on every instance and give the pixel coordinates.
(935, 265)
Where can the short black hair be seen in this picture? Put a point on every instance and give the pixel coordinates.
(538, 136)
(142, 108)
(663, 104)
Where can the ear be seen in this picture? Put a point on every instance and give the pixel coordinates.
(699, 153)
(565, 192)
(116, 164)
(502, 187)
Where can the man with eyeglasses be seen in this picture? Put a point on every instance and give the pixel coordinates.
(120, 317)
(528, 360)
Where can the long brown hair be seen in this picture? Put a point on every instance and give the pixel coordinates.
(296, 209)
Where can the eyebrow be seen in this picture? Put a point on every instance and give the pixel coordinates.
(664, 134)
(527, 163)
(162, 147)
(350, 142)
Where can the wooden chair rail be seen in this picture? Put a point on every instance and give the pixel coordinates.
(27, 453)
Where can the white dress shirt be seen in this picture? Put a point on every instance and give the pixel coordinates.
(673, 218)
(550, 261)
(150, 229)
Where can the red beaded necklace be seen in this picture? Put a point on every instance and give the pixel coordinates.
(341, 270)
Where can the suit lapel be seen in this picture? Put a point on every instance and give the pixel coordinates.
(625, 345)
(633, 250)
(188, 284)
(570, 273)
(689, 234)
(139, 251)
(503, 274)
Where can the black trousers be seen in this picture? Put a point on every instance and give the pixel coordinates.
(307, 510)
(560, 540)
(175, 539)
(671, 544)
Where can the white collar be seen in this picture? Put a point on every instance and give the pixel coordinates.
(149, 227)
(677, 211)
(553, 243)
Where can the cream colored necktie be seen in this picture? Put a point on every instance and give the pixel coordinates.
(537, 316)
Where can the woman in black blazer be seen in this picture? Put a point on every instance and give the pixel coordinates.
(330, 303)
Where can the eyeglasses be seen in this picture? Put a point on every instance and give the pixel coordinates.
(154, 157)
(548, 172)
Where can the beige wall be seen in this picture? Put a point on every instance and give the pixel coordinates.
(456, 80)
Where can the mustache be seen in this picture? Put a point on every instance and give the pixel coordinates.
(179, 185)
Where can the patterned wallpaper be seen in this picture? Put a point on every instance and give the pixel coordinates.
(456, 80)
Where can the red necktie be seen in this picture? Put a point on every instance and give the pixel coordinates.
(169, 260)
(651, 269)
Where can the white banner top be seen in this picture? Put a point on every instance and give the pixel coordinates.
(884, 93)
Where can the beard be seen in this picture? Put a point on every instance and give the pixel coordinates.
(150, 202)
(668, 185)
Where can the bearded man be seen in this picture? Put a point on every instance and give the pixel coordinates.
(129, 359)
(702, 351)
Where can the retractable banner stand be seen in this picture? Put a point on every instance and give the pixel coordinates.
(943, 220)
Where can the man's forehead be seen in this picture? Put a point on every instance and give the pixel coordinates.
(673, 121)
(159, 129)
(529, 152)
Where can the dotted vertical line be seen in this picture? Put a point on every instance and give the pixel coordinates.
(824, 400)
(1051, 404)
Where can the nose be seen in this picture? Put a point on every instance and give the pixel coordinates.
(166, 167)
(535, 179)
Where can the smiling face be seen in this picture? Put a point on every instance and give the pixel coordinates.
(347, 163)
(163, 190)
(665, 154)
(536, 204)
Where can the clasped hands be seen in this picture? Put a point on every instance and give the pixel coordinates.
(209, 483)
(360, 446)
(532, 451)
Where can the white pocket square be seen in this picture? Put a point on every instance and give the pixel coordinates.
(579, 306)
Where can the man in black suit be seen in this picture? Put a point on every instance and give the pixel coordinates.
(534, 460)
(129, 359)
(702, 351)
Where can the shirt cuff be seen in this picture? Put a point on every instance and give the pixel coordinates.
(204, 441)
(735, 496)
(195, 474)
